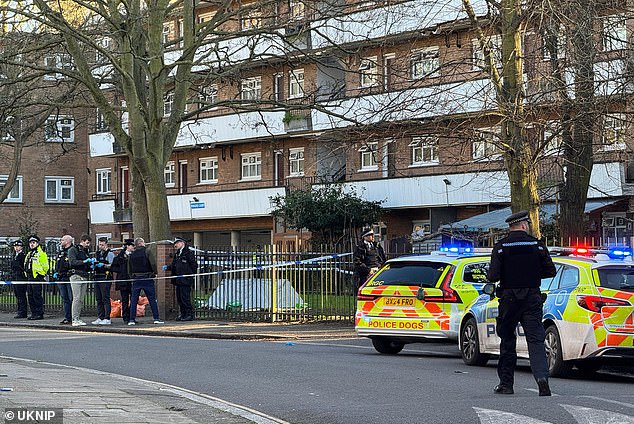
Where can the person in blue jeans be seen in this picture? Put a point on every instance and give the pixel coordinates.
(62, 266)
(142, 270)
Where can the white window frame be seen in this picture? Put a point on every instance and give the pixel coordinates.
(485, 145)
(296, 162)
(424, 150)
(296, 10)
(100, 121)
(369, 75)
(368, 159)
(201, 19)
(61, 186)
(562, 43)
(479, 61)
(57, 127)
(167, 32)
(209, 95)
(62, 61)
(553, 140)
(208, 170)
(614, 132)
(181, 32)
(251, 88)
(251, 166)
(251, 19)
(168, 104)
(425, 63)
(169, 174)
(296, 84)
(614, 32)
(104, 180)
(13, 197)
(104, 44)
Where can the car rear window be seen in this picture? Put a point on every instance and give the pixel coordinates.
(618, 277)
(425, 274)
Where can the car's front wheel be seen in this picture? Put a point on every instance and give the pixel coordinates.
(387, 346)
(557, 367)
(470, 344)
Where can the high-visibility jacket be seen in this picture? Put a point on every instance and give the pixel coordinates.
(36, 262)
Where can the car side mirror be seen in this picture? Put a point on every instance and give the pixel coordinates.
(489, 288)
(420, 294)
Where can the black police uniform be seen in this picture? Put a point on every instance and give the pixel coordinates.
(184, 263)
(519, 261)
(17, 274)
(122, 283)
(62, 269)
(367, 255)
(102, 288)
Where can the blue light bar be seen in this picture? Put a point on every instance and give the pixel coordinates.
(619, 252)
(457, 248)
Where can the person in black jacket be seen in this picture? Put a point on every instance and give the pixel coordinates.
(17, 274)
(120, 268)
(142, 270)
(62, 268)
(368, 256)
(103, 260)
(519, 262)
(80, 266)
(183, 266)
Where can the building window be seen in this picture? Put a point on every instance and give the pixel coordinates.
(553, 141)
(59, 189)
(486, 144)
(59, 61)
(104, 181)
(60, 129)
(251, 88)
(15, 195)
(251, 166)
(560, 41)
(479, 61)
(251, 19)
(424, 150)
(100, 122)
(296, 162)
(169, 174)
(368, 72)
(208, 96)
(368, 156)
(296, 83)
(168, 103)
(209, 170)
(614, 33)
(613, 137)
(181, 33)
(297, 10)
(202, 18)
(167, 32)
(278, 87)
(425, 63)
(104, 45)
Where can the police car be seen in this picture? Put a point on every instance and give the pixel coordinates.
(419, 297)
(588, 314)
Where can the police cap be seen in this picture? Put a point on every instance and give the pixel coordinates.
(17, 243)
(367, 232)
(517, 217)
(34, 237)
(177, 239)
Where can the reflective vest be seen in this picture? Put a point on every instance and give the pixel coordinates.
(36, 261)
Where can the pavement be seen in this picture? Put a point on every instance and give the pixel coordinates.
(89, 396)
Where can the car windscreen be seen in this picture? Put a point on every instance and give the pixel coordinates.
(617, 277)
(425, 274)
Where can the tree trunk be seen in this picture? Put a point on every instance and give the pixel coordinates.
(578, 152)
(139, 204)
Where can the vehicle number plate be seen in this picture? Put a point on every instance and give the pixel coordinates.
(399, 301)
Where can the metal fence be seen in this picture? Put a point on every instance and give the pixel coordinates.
(269, 285)
(52, 298)
(244, 285)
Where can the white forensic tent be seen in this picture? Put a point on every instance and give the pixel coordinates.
(254, 294)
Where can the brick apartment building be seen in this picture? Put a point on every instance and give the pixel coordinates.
(400, 118)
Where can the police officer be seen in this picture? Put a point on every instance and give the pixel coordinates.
(62, 267)
(36, 267)
(368, 256)
(183, 266)
(104, 258)
(123, 283)
(519, 262)
(142, 270)
(17, 274)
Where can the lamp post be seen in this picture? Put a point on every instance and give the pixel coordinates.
(447, 184)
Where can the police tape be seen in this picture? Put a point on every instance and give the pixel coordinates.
(169, 277)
